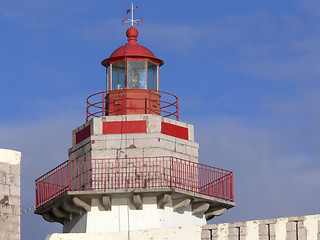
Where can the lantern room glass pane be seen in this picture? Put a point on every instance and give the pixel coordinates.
(137, 75)
(118, 75)
(152, 76)
(108, 78)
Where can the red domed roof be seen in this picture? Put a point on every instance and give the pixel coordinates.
(131, 49)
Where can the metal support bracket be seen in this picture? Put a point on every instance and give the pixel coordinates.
(180, 203)
(199, 208)
(59, 213)
(106, 202)
(71, 207)
(163, 200)
(79, 203)
(214, 211)
(137, 201)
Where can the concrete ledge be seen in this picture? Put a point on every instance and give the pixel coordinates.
(10, 156)
(185, 233)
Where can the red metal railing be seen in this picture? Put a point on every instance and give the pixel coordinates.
(52, 184)
(98, 104)
(134, 173)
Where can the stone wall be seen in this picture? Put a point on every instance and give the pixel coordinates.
(9, 194)
(292, 228)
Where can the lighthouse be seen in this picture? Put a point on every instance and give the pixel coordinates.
(133, 165)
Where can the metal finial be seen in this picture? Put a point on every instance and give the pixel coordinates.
(136, 21)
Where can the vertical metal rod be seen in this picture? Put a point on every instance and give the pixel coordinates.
(103, 104)
(177, 109)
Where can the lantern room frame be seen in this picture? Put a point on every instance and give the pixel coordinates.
(126, 60)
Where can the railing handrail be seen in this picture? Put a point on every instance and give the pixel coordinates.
(53, 170)
(99, 106)
(164, 171)
(171, 157)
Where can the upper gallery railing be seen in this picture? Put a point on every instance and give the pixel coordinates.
(134, 173)
(132, 101)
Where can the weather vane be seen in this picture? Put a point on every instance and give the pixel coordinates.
(137, 21)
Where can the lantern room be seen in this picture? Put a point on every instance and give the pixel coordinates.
(132, 66)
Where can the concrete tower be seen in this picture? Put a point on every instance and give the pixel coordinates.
(133, 166)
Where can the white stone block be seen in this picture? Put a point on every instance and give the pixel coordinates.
(156, 152)
(167, 144)
(13, 179)
(113, 118)
(205, 234)
(99, 144)
(179, 147)
(193, 144)
(134, 152)
(112, 153)
(14, 200)
(5, 167)
(99, 137)
(181, 156)
(15, 169)
(116, 144)
(4, 190)
(252, 230)
(14, 191)
(192, 151)
(191, 132)
(223, 231)
(154, 124)
(2, 177)
(96, 126)
(311, 224)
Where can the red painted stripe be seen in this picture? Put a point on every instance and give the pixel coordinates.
(174, 130)
(83, 134)
(124, 127)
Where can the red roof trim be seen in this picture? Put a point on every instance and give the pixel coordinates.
(106, 62)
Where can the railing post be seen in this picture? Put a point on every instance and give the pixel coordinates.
(87, 110)
(177, 110)
(103, 104)
(69, 175)
(171, 166)
(231, 183)
(149, 102)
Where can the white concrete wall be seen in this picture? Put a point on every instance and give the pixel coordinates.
(179, 233)
(124, 217)
(292, 228)
(9, 194)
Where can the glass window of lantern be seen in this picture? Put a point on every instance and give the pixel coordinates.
(137, 75)
(118, 75)
(152, 76)
(108, 78)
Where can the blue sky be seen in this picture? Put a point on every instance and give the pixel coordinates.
(246, 74)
